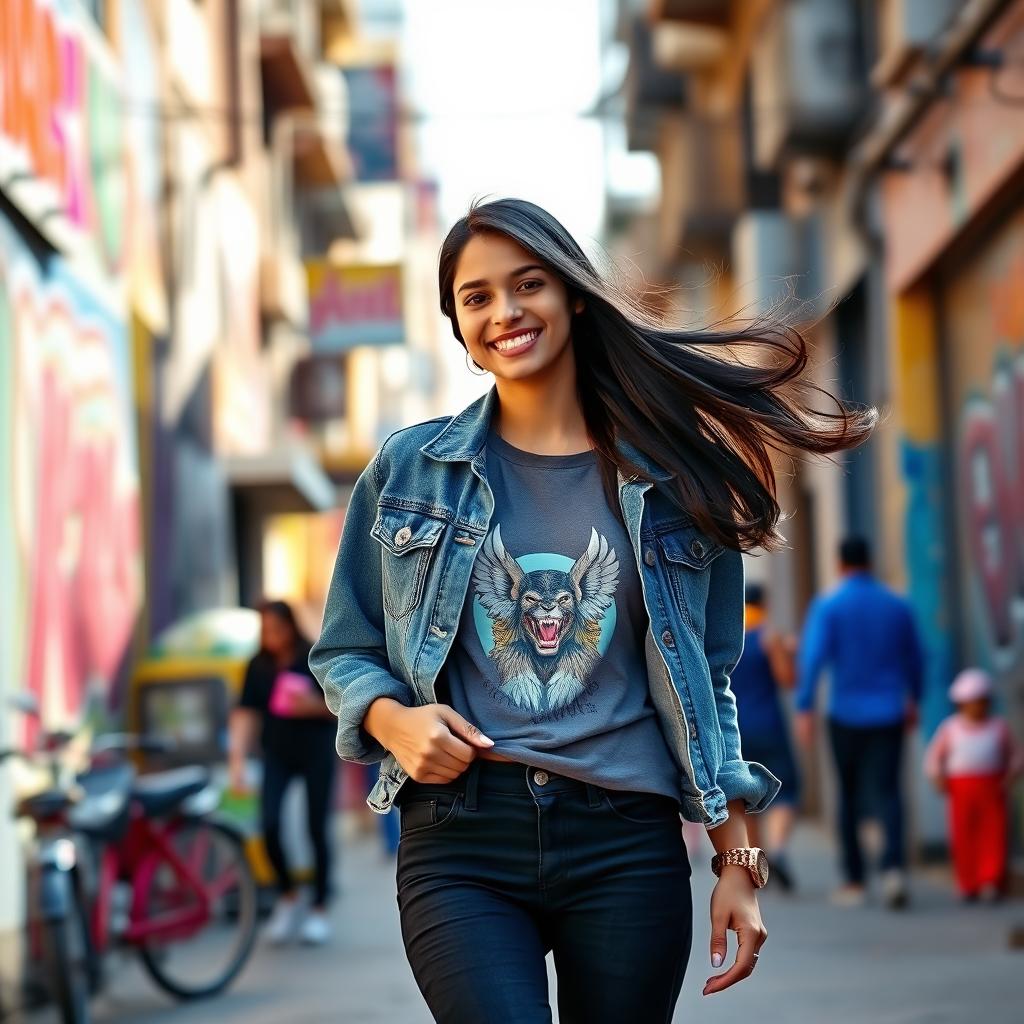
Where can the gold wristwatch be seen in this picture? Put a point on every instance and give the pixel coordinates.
(750, 857)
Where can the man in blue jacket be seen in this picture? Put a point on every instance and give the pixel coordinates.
(865, 635)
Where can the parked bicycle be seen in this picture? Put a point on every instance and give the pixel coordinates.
(135, 862)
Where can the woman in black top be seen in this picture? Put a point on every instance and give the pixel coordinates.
(281, 701)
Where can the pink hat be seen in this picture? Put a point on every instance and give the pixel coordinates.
(971, 684)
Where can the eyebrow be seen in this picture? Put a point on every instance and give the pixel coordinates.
(515, 273)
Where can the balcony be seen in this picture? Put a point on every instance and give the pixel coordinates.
(289, 45)
(651, 91)
(703, 12)
(318, 139)
(686, 48)
(702, 185)
(808, 79)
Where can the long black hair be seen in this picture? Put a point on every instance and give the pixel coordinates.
(709, 420)
(283, 612)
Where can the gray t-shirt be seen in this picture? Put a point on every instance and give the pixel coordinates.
(549, 661)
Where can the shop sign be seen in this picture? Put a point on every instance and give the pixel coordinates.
(354, 305)
(373, 121)
(61, 127)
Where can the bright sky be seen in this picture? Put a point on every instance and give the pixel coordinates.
(501, 84)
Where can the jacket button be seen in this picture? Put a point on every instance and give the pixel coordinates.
(649, 558)
(403, 537)
(668, 639)
(697, 547)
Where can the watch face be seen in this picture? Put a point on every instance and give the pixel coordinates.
(762, 867)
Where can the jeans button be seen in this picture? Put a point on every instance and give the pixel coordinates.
(403, 537)
(541, 778)
(668, 639)
(649, 558)
(697, 547)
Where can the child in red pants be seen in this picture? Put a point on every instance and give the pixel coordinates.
(973, 759)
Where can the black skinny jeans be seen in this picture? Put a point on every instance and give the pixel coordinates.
(315, 764)
(507, 863)
(868, 763)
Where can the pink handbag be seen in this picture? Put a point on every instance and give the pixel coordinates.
(287, 685)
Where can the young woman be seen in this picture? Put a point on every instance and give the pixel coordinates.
(281, 704)
(533, 617)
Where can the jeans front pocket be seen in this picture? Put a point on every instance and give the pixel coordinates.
(429, 813)
(641, 808)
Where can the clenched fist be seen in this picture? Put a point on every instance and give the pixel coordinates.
(433, 743)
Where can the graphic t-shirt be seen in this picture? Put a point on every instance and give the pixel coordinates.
(549, 661)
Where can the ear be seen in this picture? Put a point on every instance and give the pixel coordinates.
(578, 306)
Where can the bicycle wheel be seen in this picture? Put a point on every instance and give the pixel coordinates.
(66, 954)
(197, 959)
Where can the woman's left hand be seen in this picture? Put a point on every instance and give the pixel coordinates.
(734, 908)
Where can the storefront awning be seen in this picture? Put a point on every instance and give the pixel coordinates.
(281, 481)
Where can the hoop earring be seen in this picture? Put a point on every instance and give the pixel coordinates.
(479, 371)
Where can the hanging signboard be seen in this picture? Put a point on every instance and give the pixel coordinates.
(354, 305)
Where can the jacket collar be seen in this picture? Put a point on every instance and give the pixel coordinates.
(464, 436)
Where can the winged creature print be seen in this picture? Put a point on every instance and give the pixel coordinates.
(546, 623)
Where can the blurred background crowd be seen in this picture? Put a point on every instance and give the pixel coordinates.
(219, 225)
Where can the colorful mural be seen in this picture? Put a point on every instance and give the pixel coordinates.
(925, 509)
(70, 576)
(984, 315)
(61, 126)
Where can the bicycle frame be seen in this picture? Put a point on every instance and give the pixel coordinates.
(136, 858)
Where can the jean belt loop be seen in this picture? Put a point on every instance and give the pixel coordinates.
(594, 795)
(472, 785)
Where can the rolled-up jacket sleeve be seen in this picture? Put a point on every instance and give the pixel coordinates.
(723, 644)
(349, 660)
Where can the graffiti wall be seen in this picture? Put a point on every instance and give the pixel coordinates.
(70, 553)
(62, 127)
(984, 320)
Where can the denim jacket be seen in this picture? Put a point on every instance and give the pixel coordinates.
(416, 520)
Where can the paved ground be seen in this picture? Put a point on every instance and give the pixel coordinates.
(936, 963)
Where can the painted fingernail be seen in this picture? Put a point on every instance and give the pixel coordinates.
(716, 959)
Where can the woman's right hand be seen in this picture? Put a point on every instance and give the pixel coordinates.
(433, 743)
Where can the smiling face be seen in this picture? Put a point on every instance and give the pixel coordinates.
(513, 313)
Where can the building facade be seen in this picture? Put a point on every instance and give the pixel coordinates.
(863, 163)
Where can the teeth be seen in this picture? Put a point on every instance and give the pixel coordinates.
(510, 344)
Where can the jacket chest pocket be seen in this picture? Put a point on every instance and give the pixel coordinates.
(687, 553)
(409, 541)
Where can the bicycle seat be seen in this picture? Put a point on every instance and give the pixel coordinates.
(161, 792)
(103, 811)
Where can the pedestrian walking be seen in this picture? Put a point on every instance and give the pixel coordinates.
(532, 619)
(973, 759)
(865, 635)
(764, 669)
(282, 706)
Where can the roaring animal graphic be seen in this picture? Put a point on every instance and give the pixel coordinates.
(547, 623)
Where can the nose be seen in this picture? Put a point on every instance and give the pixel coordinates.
(507, 311)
